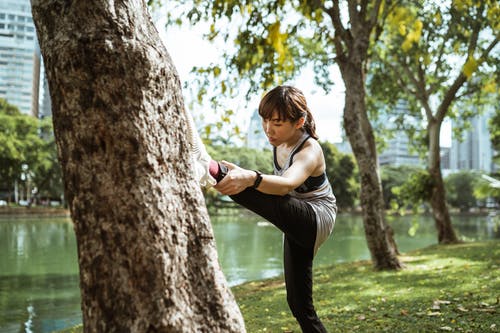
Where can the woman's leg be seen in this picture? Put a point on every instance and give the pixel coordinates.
(293, 217)
(298, 222)
(299, 283)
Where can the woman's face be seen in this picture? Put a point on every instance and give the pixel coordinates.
(281, 131)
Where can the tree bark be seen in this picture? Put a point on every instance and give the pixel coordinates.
(446, 233)
(379, 235)
(146, 250)
(351, 47)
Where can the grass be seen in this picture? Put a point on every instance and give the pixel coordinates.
(443, 288)
(452, 288)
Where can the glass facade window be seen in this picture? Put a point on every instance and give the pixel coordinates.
(19, 66)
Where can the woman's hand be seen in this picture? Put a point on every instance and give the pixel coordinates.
(236, 180)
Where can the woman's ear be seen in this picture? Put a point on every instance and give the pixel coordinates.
(300, 123)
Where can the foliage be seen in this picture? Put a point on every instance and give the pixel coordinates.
(248, 158)
(343, 176)
(416, 190)
(28, 151)
(434, 51)
(484, 191)
(393, 177)
(494, 127)
(460, 189)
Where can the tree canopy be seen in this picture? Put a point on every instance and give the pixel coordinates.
(27, 149)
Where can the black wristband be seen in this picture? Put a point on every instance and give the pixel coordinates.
(258, 179)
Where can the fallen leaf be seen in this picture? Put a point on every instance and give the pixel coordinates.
(446, 328)
(433, 314)
(361, 317)
(373, 309)
(462, 309)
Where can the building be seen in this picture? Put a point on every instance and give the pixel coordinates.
(19, 56)
(398, 149)
(46, 107)
(256, 138)
(474, 151)
(398, 152)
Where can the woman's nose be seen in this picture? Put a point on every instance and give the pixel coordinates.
(267, 128)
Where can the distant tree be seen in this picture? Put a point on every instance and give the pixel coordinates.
(343, 176)
(416, 190)
(22, 148)
(494, 127)
(47, 174)
(460, 189)
(248, 158)
(393, 177)
(430, 55)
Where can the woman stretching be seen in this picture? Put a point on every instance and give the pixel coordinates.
(297, 199)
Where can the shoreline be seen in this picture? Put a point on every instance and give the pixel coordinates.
(40, 211)
(20, 212)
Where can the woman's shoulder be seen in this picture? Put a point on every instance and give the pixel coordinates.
(313, 144)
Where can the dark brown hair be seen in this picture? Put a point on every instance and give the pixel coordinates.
(290, 104)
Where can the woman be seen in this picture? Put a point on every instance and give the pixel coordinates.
(297, 199)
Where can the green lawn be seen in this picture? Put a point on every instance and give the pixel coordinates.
(452, 288)
(443, 288)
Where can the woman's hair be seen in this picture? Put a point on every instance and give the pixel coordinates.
(290, 104)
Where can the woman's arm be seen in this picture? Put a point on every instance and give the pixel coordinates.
(305, 162)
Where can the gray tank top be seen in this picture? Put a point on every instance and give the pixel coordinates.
(316, 191)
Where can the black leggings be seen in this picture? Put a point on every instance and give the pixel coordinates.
(297, 221)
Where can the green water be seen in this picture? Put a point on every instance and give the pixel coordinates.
(39, 271)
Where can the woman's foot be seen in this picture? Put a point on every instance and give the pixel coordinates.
(200, 156)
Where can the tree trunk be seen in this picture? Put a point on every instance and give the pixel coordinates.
(146, 251)
(446, 233)
(379, 235)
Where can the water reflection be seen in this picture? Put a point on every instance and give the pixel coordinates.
(38, 276)
(39, 272)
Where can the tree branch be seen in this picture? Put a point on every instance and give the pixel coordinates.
(461, 79)
(363, 9)
(399, 80)
(374, 14)
(439, 62)
(353, 12)
(341, 35)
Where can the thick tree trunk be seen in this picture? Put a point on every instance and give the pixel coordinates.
(446, 233)
(379, 235)
(147, 257)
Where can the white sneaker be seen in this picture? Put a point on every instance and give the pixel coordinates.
(200, 156)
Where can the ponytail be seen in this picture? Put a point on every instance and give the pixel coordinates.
(310, 125)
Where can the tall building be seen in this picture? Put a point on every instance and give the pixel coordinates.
(256, 138)
(474, 151)
(19, 56)
(46, 107)
(397, 151)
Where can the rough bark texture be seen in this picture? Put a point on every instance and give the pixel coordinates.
(351, 45)
(379, 235)
(446, 233)
(146, 251)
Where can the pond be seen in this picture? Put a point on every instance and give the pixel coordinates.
(39, 271)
